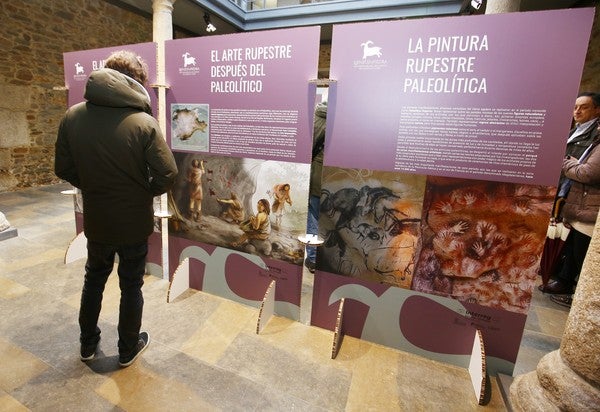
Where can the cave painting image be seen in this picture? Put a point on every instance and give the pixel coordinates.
(482, 241)
(241, 203)
(370, 223)
(189, 127)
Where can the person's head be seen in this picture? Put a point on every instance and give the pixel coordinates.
(264, 206)
(195, 163)
(587, 107)
(233, 196)
(129, 64)
(286, 187)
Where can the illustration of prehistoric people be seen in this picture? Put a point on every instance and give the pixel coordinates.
(233, 211)
(194, 178)
(257, 226)
(176, 218)
(281, 196)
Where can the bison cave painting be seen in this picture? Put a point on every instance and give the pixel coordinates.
(370, 223)
(482, 241)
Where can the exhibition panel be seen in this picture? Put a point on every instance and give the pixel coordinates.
(444, 147)
(240, 110)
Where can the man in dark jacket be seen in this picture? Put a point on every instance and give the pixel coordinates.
(585, 116)
(112, 149)
(580, 212)
(579, 178)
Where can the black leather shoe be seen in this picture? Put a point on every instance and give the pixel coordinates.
(556, 287)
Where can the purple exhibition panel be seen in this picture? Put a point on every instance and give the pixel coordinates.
(431, 326)
(479, 97)
(444, 145)
(240, 111)
(250, 92)
(77, 67)
(238, 276)
(79, 64)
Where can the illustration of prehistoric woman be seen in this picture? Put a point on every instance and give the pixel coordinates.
(194, 179)
(257, 226)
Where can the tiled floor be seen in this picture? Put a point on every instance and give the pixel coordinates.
(205, 354)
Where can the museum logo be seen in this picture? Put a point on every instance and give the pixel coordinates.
(79, 72)
(188, 67)
(371, 57)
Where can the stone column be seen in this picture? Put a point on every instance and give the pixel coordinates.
(502, 6)
(162, 29)
(569, 378)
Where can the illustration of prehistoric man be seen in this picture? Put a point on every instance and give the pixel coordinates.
(194, 178)
(233, 211)
(281, 196)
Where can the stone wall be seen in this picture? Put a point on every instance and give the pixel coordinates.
(33, 36)
(324, 60)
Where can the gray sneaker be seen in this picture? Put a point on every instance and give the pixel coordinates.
(143, 342)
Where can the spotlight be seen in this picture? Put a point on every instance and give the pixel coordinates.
(209, 26)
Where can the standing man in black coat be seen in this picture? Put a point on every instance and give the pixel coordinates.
(111, 148)
(586, 114)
